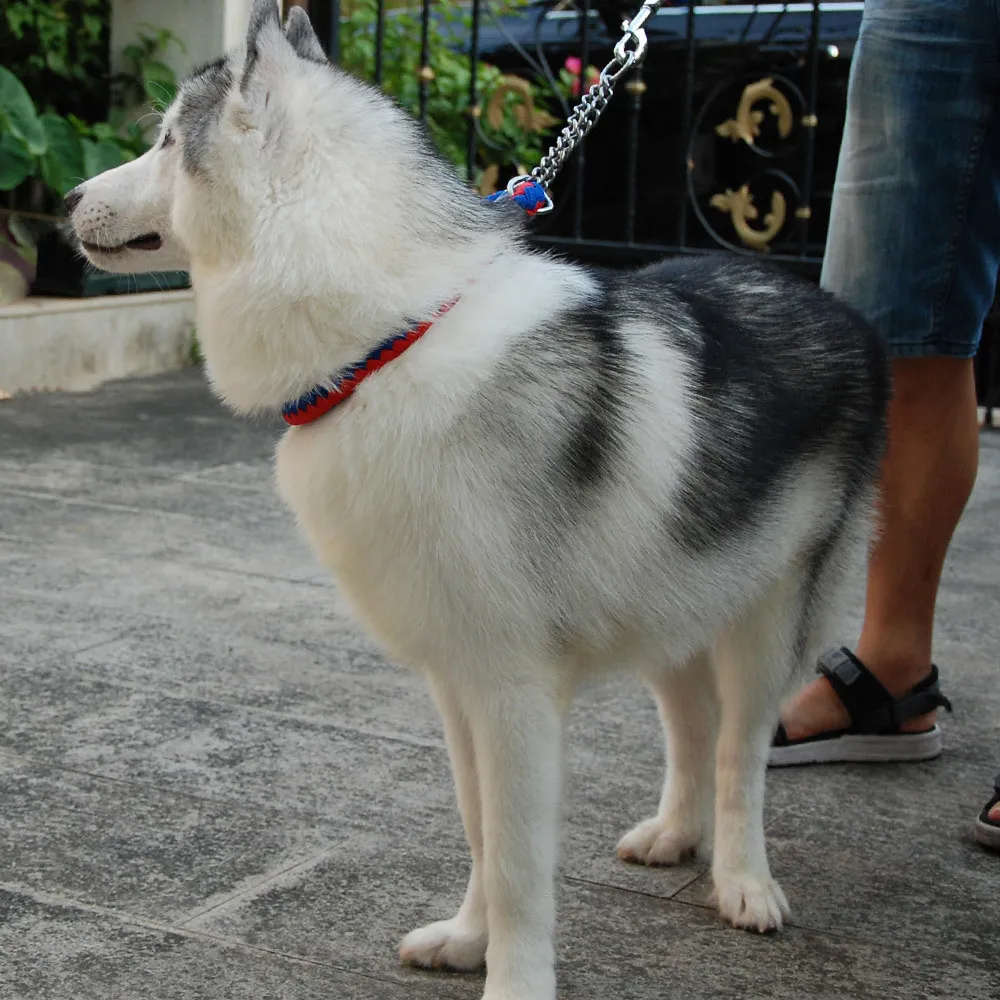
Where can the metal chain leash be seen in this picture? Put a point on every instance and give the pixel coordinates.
(579, 123)
(628, 53)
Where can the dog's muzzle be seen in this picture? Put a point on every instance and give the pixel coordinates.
(145, 241)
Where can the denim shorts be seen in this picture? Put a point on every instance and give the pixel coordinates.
(914, 237)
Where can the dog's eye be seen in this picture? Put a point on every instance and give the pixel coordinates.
(168, 139)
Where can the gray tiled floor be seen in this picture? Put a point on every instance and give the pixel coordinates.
(212, 785)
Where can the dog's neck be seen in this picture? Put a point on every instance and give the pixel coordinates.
(269, 337)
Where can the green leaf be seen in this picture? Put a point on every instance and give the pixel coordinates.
(101, 156)
(17, 113)
(56, 62)
(16, 163)
(93, 25)
(103, 130)
(159, 81)
(62, 164)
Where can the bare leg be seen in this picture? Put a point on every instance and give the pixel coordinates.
(458, 943)
(928, 474)
(689, 712)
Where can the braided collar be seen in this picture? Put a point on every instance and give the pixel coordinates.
(320, 399)
(524, 192)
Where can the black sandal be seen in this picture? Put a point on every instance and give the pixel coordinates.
(986, 830)
(873, 734)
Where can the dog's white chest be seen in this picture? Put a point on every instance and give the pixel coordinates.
(378, 510)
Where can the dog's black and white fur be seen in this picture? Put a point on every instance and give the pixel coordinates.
(573, 472)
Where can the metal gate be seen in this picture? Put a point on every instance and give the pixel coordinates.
(727, 138)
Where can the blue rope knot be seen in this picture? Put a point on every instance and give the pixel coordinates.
(527, 194)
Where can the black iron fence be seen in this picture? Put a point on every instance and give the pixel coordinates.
(726, 137)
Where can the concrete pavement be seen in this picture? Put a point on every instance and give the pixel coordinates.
(212, 785)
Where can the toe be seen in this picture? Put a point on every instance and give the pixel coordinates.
(753, 904)
(669, 849)
(635, 845)
(449, 944)
(655, 842)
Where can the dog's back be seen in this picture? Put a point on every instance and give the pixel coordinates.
(784, 374)
(669, 444)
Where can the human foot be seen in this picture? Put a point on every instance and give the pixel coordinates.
(849, 714)
(815, 709)
(987, 826)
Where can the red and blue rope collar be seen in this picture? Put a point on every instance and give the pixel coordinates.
(530, 196)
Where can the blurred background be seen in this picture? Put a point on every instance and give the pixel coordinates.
(726, 138)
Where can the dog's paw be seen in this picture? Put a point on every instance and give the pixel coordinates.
(752, 902)
(448, 944)
(657, 841)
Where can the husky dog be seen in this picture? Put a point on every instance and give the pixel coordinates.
(570, 472)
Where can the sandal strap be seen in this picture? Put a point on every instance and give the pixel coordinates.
(871, 707)
(922, 698)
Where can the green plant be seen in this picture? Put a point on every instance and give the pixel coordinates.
(47, 153)
(148, 78)
(59, 151)
(513, 117)
(59, 50)
(195, 355)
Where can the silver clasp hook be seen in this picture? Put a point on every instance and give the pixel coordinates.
(634, 32)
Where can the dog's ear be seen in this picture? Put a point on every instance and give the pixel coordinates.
(300, 34)
(265, 23)
(263, 13)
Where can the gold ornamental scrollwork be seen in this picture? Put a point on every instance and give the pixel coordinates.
(745, 126)
(527, 116)
(742, 210)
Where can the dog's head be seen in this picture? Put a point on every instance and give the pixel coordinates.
(270, 154)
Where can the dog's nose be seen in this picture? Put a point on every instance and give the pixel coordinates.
(72, 198)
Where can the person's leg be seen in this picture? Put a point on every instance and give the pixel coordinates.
(913, 245)
(927, 477)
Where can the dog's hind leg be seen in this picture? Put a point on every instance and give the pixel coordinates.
(458, 943)
(754, 657)
(688, 708)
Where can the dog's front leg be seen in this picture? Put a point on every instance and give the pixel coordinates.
(458, 943)
(516, 730)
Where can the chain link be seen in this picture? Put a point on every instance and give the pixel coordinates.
(586, 114)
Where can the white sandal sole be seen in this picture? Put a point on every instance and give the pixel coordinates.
(986, 834)
(860, 748)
